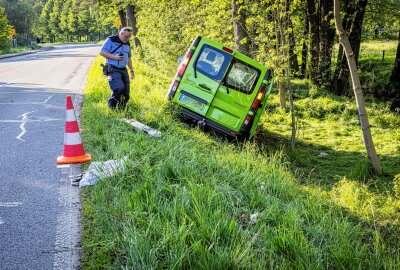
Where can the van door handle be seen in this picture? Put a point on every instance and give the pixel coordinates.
(205, 87)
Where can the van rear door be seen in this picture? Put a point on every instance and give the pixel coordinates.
(235, 95)
(201, 81)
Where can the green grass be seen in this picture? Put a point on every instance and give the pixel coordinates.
(15, 50)
(192, 200)
(375, 69)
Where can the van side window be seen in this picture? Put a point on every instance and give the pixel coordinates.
(213, 62)
(242, 77)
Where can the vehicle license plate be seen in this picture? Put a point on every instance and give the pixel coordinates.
(191, 102)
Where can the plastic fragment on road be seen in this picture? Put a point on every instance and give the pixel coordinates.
(102, 170)
(140, 126)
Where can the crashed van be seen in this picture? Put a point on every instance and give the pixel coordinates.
(220, 88)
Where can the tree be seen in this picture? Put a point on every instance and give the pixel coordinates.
(284, 36)
(20, 14)
(314, 42)
(326, 38)
(130, 13)
(304, 49)
(239, 17)
(44, 28)
(4, 30)
(73, 18)
(395, 76)
(355, 10)
(395, 79)
(84, 20)
(54, 19)
(66, 8)
(351, 60)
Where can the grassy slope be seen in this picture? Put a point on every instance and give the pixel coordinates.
(192, 200)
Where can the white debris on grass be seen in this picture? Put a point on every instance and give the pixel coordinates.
(254, 218)
(323, 154)
(140, 126)
(101, 170)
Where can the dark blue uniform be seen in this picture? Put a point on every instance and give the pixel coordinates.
(118, 78)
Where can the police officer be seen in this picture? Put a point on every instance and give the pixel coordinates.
(117, 52)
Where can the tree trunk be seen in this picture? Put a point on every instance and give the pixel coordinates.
(326, 36)
(278, 62)
(314, 42)
(351, 60)
(287, 24)
(395, 77)
(292, 43)
(395, 80)
(122, 17)
(239, 27)
(304, 50)
(355, 14)
(130, 13)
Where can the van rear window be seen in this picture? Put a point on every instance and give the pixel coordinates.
(242, 77)
(213, 62)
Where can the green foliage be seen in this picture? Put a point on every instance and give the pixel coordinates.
(4, 30)
(376, 68)
(166, 28)
(382, 19)
(44, 19)
(73, 19)
(21, 15)
(396, 184)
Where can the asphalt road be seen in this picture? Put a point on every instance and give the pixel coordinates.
(39, 209)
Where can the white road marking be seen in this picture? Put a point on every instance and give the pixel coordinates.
(24, 120)
(67, 244)
(32, 120)
(4, 84)
(21, 103)
(8, 83)
(34, 91)
(8, 204)
(64, 166)
(25, 117)
(47, 99)
(28, 103)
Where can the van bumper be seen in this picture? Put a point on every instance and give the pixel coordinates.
(209, 123)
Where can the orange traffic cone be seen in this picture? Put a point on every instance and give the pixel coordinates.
(73, 147)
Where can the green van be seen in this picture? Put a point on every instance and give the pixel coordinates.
(221, 88)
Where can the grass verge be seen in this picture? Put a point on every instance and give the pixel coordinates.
(190, 200)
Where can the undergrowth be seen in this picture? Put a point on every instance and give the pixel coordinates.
(192, 200)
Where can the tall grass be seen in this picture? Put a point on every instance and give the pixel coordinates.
(191, 200)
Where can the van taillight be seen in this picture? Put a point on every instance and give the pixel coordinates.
(259, 97)
(247, 120)
(182, 68)
(184, 64)
(175, 86)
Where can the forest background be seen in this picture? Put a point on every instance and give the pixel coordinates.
(299, 33)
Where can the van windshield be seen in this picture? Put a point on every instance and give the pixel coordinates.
(213, 62)
(242, 77)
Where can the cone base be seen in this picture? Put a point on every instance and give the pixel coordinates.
(70, 160)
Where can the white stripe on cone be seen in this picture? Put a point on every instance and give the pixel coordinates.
(70, 116)
(72, 138)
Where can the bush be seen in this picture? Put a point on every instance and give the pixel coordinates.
(4, 30)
